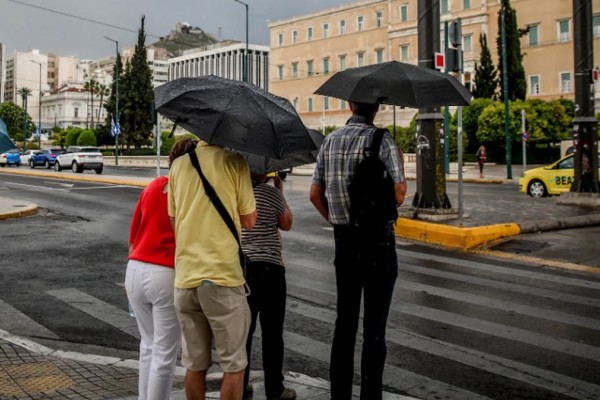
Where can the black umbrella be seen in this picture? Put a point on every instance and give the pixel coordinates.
(234, 114)
(263, 165)
(398, 84)
(5, 142)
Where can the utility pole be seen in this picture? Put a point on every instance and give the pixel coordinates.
(505, 90)
(117, 116)
(431, 179)
(585, 126)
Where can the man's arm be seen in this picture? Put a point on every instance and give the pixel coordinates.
(248, 220)
(317, 197)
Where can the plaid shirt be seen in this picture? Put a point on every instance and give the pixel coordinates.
(338, 158)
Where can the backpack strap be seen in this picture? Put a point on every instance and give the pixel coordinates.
(376, 142)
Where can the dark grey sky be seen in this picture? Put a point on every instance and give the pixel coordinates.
(23, 27)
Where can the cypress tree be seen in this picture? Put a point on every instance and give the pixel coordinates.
(517, 86)
(486, 76)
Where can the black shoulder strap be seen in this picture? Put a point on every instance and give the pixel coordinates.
(212, 195)
(376, 142)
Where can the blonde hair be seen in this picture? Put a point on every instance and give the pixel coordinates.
(181, 147)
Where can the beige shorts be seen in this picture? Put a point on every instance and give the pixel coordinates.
(211, 311)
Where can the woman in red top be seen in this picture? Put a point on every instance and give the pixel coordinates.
(149, 282)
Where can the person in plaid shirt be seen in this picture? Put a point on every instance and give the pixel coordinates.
(365, 261)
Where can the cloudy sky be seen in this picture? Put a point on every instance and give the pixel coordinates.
(43, 25)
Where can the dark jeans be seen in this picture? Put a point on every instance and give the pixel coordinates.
(267, 300)
(364, 262)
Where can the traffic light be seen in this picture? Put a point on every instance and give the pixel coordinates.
(454, 53)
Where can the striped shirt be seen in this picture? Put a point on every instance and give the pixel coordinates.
(338, 158)
(263, 242)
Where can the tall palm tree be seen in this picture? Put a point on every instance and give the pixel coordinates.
(102, 91)
(24, 92)
(91, 86)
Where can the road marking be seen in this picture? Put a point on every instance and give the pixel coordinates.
(20, 324)
(98, 309)
(537, 260)
(68, 185)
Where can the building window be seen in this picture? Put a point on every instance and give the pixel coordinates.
(360, 23)
(75, 112)
(280, 39)
(325, 30)
(468, 42)
(360, 59)
(309, 68)
(309, 33)
(294, 37)
(379, 54)
(596, 25)
(309, 104)
(342, 27)
(343, 104)
(326, 65)
(444, 7)
(564, 30)
(466, 4)
(379, 19)
(534, 85)
(325, 102)
(565, 82)
(404, 12)
(280, 72)
(295, 70)
(404, 52)
(342, 63)
(533, 35)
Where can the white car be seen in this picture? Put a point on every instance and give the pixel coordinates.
(27, 155)
(79, 158)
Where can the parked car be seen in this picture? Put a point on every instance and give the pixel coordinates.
(549, 180)
(11, 157)
(45, 158)
(80, 158)
(27, 155)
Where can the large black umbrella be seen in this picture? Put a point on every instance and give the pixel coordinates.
(263, 165)
(5, 142)
(234, 114)
(396, 83)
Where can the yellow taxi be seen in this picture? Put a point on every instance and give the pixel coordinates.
(549, 180)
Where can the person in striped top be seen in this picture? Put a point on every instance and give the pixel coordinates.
(265, 275)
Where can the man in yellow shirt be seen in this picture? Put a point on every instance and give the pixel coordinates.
(210, 294)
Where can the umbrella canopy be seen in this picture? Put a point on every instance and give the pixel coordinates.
(263, 165)
(234, 114)
(396, 83)
(5, 142)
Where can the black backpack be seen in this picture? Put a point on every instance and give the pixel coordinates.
(371, 189)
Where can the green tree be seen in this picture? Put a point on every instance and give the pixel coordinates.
(139, 98)
(486, 76)
(471, 115)
(111, 103)
(72, 136)
(91, 86)
(87, 138)
(515, 73)
(13, 117)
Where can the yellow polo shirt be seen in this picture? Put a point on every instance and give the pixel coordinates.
(205, 248)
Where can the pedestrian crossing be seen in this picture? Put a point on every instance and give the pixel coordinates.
(461, 326)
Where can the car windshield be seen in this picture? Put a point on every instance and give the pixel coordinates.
(90, 150)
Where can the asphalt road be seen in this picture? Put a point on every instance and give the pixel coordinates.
(462, 325)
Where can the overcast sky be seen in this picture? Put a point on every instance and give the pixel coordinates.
(23, 27)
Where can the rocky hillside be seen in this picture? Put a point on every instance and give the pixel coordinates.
(184, 37)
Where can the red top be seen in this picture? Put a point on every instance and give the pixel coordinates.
(151, 234)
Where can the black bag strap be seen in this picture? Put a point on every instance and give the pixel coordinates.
(214, 198)
(376, 142)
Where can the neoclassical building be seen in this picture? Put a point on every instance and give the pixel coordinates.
(306, 50)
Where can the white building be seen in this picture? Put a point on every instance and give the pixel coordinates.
(70, 107)
(224, 59)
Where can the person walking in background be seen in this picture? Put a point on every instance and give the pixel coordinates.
(266, 277)
(210, 290)
(149, 284)
(365, 259)
(481, 156)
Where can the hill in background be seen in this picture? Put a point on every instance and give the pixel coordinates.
(184, 37)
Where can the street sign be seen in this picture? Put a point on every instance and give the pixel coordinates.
(440, 61)
(595, 75)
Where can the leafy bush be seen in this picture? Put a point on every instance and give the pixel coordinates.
(72, 136)
(87, 138)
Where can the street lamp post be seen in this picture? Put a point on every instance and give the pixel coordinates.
(246, 78)
(24, 94)
(39, 129)
(116, 99)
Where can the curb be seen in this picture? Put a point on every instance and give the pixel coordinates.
(27, 209)
(98, 178)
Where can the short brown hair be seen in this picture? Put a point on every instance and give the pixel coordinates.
(364, 109)
(181, 147)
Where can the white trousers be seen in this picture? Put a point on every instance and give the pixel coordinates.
(150, 292)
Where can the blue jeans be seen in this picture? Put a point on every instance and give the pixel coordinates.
(364, 262)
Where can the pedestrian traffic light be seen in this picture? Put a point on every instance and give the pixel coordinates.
(455, 33)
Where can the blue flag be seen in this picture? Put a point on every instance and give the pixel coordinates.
(115, 129)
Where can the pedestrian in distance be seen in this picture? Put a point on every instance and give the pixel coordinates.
(149, 284)
(481, 156)
(210, 289)
(266, 277)
(365, 256)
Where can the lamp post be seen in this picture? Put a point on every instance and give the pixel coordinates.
(116, 99)
(24, 93)
(245, 55)
(39, 128)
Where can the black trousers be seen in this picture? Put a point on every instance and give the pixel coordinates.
(365, 262)
(268, 291)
